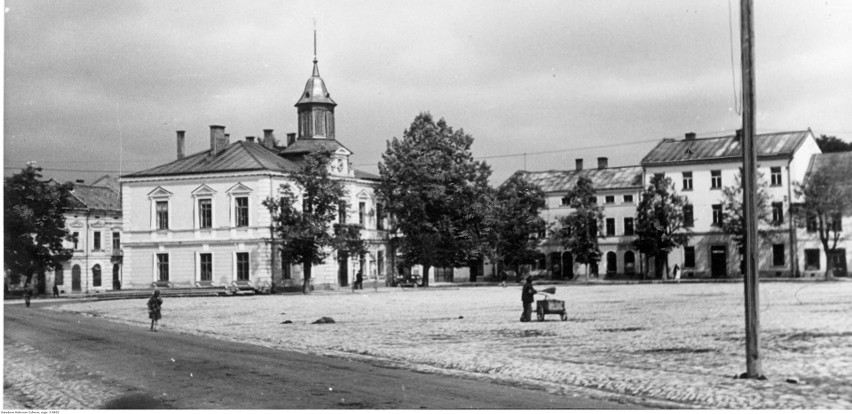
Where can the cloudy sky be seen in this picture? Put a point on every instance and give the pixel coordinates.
(94, 87)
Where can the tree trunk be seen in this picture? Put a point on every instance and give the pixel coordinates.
(425, 277)
(306, 280)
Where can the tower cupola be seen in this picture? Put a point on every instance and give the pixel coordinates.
(315, 107)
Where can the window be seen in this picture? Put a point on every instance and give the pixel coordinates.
(593, 200)
(59, 278)
(689, 256)
(380, 217)
(610, 227)
(688, 216)
(163, 267)
(306, 204)
(715, 179)
(775, 176)
(162, 215)
(811, 223)
(116, 242)
(609, 199)
(659, 176)
(76, 237)
(205, 213)
(242, 266)
(241, 213)
(629, 263)
(777, 255)
(566, 201)
(717, 214)
(285, 270)
(811, 259)
(362, 212)
(96, 275)
(835, 224)
(341, 212)
(687, 180)
(628, 226)
(777, 213)
(96, 236)
(628, 199)
(206, 266)
(380, 262)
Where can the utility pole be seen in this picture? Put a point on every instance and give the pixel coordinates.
(752, 319)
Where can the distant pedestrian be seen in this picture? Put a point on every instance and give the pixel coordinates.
(677, 273)
(359, 280)
(55, 291)
(503, 277)
(527, 297)
(154, 305)
(28, 294)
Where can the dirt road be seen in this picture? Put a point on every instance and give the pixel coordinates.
(64, 360)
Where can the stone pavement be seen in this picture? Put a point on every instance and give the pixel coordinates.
(664, 345)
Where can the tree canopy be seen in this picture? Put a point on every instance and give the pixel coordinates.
(304, 234)
(833, 144)
(580, 229)
(516, 221)
(733, 221)
(34, 223)
(431, 186)
(660, 225)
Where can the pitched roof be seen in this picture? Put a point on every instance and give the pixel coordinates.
(307, 145)
(669, 151)
(830, 160)
(602, 179)
(94, 197)
(366, 176)
(239, 156)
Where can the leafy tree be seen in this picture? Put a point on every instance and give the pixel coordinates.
(432, 188)
(34, 223)
(833, 144)
(827, 195)
(514, 221)
(733, 217)
(303, 234)
(581, 228)
(660, 221)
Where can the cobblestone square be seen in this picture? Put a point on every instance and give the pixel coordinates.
(667, 344)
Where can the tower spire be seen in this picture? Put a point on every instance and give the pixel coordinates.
(315, 41)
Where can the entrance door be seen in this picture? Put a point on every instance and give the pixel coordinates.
(76, 286)
(343, 269)
(718, 261)
(567, 265)
(837, 262)
(116, 283)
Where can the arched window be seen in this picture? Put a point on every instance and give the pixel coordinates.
(59, 279)
(96, 275)
(629, 263)
(611, 262)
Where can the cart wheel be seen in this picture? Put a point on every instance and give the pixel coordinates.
(540, 313)
(564, 316)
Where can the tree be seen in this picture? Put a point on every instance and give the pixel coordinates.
(34, 223)
(827, 198)
(733, 217)
(432, 186)
(581, 228)
(514, 221)
(832, 144)
(660, 225)
(303, 235)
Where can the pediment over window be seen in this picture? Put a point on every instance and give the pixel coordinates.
(363, 195)
(239, 188)
(76, 224)
(343, 151)
(98, 224)
(203, 190)
(160, 192)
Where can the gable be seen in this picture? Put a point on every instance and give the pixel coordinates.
(159, 192)
(239, 188)
(203, 190)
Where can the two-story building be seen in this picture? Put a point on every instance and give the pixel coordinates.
(702, 167)
(617, 191)
(200, 220)
(94, 220)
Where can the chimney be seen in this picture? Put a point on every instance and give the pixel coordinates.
(690, 136)
(579, 163)
(268, 139)
(602, 161)
(81, 181)
(291, 138)
(250, 139)
(739, 135)
(180, 144)
(218, 139)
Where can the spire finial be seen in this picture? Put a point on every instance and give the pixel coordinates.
(315, 40)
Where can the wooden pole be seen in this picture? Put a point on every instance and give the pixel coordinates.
(752, 320)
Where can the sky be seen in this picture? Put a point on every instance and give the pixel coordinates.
(94, 87)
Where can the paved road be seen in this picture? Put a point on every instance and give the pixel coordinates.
(137, 368)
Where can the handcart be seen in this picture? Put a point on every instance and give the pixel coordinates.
(550, 306)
